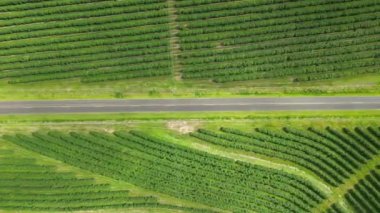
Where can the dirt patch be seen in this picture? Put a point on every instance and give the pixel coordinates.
(183, 127)
(109, 130)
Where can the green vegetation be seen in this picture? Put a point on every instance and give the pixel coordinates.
(263, 162)
(366, 194)
(176, 170)
(315, 161)
(33, 183)
(95, 40)
(170, 48)
(303, 40)
(332, 155)
(28, 185)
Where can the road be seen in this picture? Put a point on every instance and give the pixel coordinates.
(181, 105)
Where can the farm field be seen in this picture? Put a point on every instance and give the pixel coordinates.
(181, 48)
(199, 106)
(192, 162)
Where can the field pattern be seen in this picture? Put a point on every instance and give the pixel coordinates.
(337, 157)
(26, 185)
(333, 155)
(222, 40)
(96, 40)
(365, 195)
(176, 170)
(303, 40)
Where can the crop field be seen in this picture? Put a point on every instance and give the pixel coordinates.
(184, 40)
(254, 163)
(31, 186)
(302, 40)
(95, 40)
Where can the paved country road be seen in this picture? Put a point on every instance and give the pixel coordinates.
(181, 105)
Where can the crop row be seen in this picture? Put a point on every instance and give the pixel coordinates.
(324, 57)
(176, 170)
(331, 154)
(365, 195)
(299, 9)
(235, 40)
(33, 186)
(69, 9)
(335, 208)
(92, 40)
(242, 8)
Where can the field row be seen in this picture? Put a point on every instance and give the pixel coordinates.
(300, 40)
(26, 185)
(364, 196)
(221, 40)
(332, 155)
(176, 170)
(93, 40)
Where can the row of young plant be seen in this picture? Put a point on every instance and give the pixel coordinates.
(177, 171)
(315, 42)
(84, 56)
(337, 74)
(365, 195)
(69, 63)
(81, 207)
(96, 157)
(59, 28)
(131, 7)
(21, 5)
(313, 72)
(267, 19)
(79, 40)
(350, 159)
(281, 45)
(247, 38)
(274, 26)
(221, 11)
(114, 45)
(115, 41)
(221, 63)
(359, 147)
(190, 163)
(101, 74)
(313, 195)
(126, 65)
(84, 18)
(122, 58)
(331, 155)
(225, 45)
(335, 208)
(184, 3)
(39, 187)
(274, 148)
(307, 62)
(53, 196)
(121, 24)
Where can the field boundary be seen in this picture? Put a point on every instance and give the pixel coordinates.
(174, 40)
(338, 193)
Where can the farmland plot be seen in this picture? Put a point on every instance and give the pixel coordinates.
(301, 40)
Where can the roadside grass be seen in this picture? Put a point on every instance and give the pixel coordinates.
(167, 87)
(157, 116)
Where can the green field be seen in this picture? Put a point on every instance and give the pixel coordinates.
(183, 162)
(65, 49)
(280, 161)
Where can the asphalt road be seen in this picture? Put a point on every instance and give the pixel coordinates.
(181, 105)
